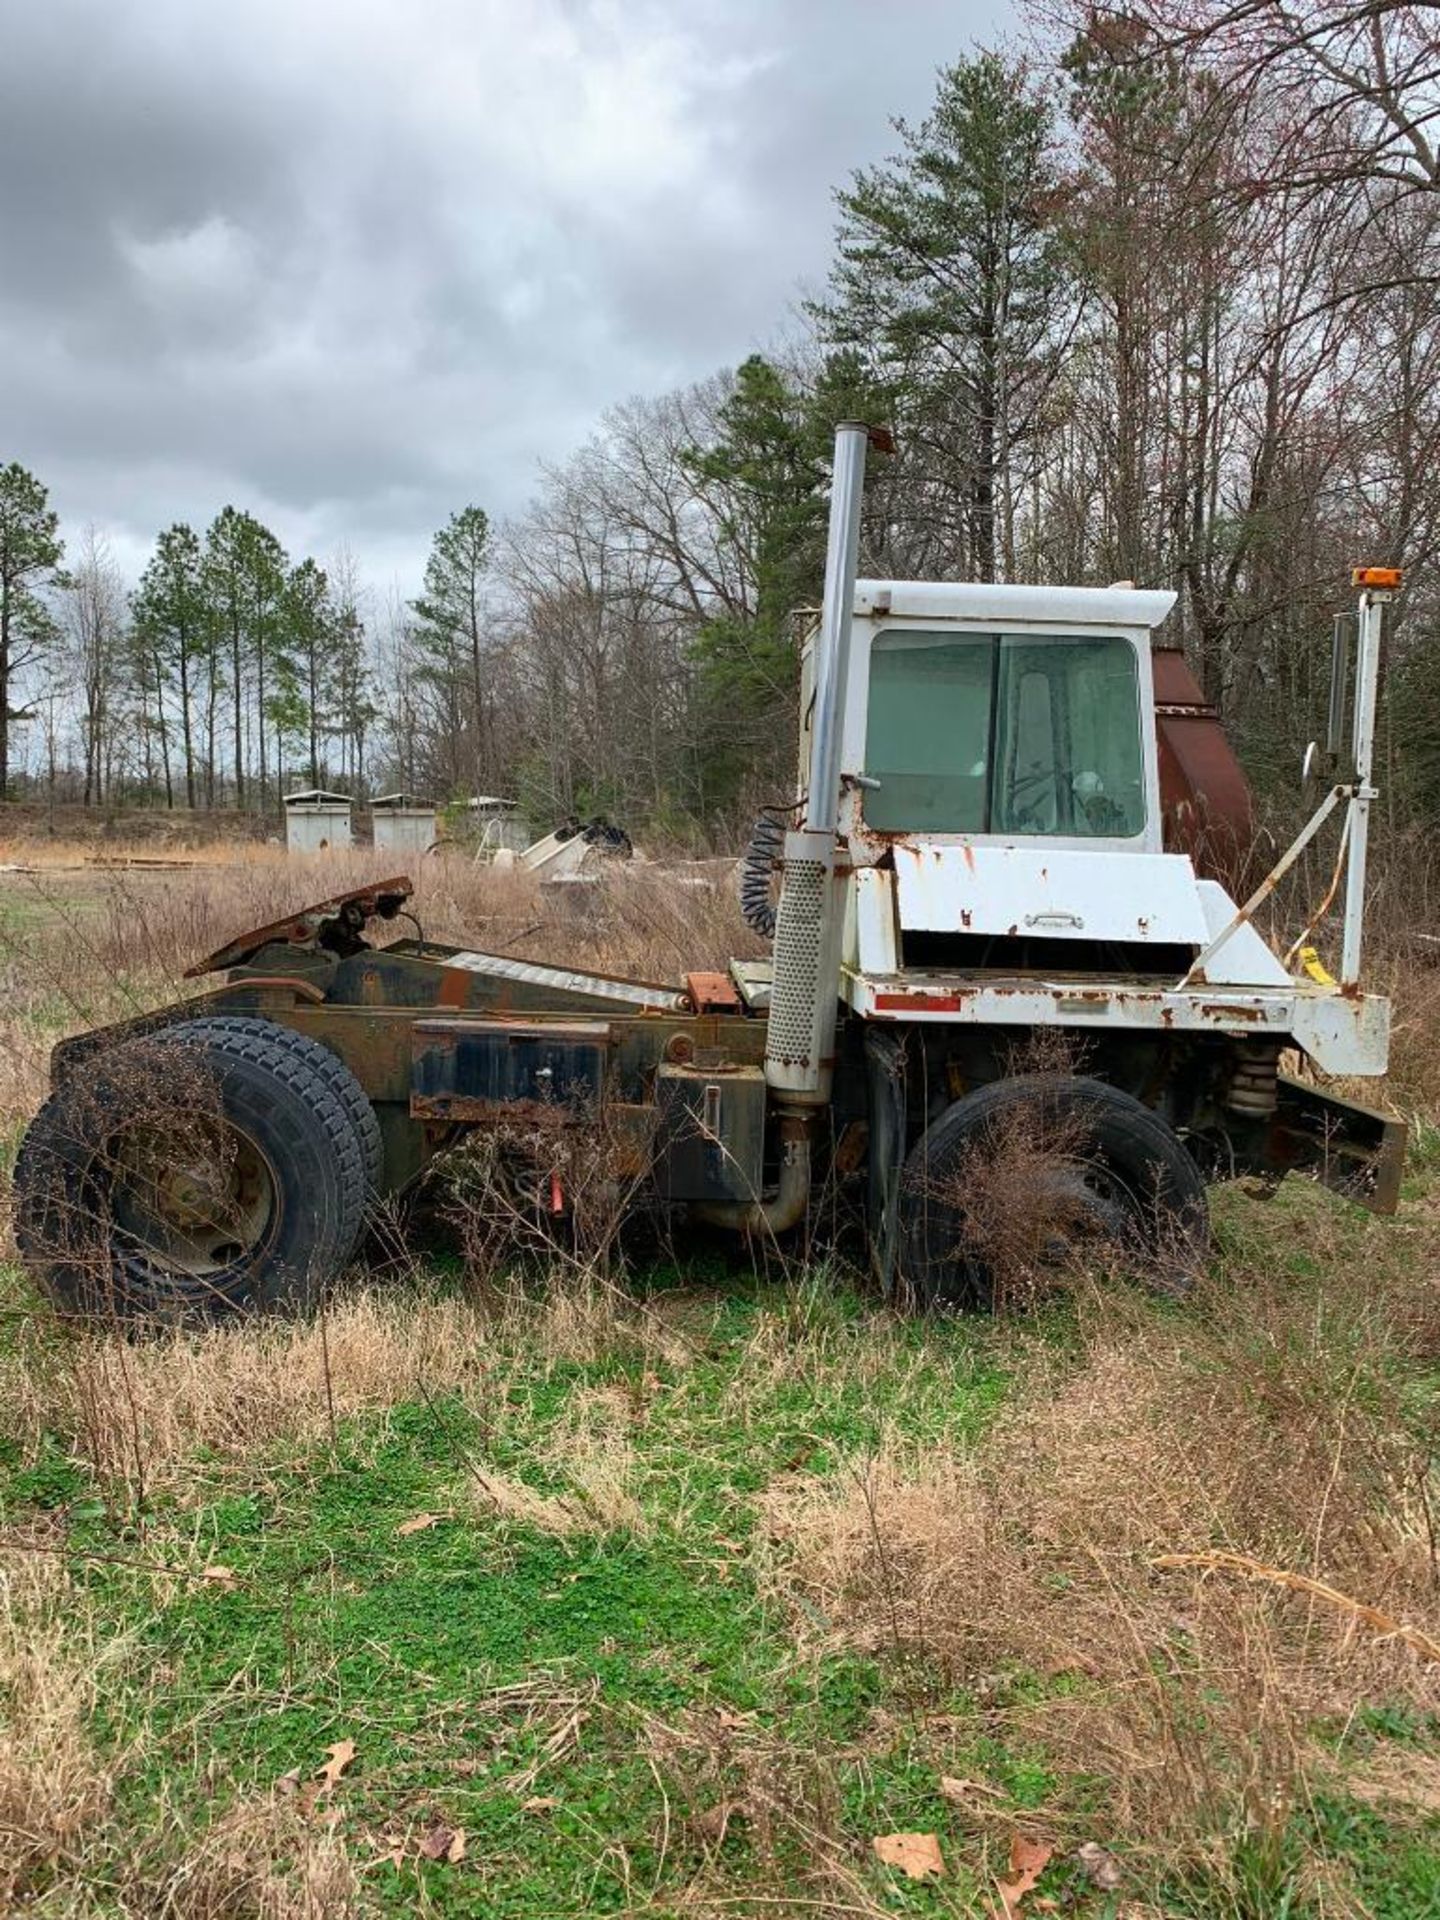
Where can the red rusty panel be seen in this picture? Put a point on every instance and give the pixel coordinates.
(1203, 793)
(713, 993)
(919, 1002)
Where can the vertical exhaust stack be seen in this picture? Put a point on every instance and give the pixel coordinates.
(1378, 586)
(804, 996)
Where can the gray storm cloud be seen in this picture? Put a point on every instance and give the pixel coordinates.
(353, 264)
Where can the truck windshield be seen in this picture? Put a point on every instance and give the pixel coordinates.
(1004, 733)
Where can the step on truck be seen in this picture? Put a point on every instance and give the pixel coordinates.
(979, 929)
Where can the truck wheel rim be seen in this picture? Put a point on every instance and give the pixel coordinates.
(196, 1211)
(1092, 1208)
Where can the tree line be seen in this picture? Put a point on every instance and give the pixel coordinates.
(1155, 299)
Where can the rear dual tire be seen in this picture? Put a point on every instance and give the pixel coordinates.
(217, 1166)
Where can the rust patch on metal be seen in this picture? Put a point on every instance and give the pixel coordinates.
(474, 1112)
(1204, 797)
(850, 1149)
(449, 1031)
(379, 899)
(713, 993)
(277, 983)
(454, 989)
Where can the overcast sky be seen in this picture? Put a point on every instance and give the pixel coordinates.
(353, 263)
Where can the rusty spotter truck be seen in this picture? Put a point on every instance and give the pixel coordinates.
(976, 854)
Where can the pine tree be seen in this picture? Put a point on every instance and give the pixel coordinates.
(766, 474)
(310, 629)
(763, 474)
(450, 632)
(170, 621)
(949, 283)
(289, 716)
(30, 553)
(244, 577)
(355, 711)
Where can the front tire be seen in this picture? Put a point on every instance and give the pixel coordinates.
(192, 1174)
(1027, 1178)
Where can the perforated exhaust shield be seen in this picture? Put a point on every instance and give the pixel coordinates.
(800, 1036)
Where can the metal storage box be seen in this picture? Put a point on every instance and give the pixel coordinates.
(402, 824)
(711, 1138)
(316, 821)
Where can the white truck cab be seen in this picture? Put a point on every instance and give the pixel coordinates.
(1000, 805)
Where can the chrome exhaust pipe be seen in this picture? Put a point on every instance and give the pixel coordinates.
(805, 991)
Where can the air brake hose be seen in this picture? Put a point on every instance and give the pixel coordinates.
(757, 868)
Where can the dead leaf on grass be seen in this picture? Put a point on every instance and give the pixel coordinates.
(714, 1823)
(340, 1754)
(961, 1792)
(1099, 1866)
(223, 1577)
(539, 1803)
(1028, 1860)
(917, 1855)
(417, 1523)
(442, 1843)
(1071, 1663)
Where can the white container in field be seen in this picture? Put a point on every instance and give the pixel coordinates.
(317, 821)
(402, 824)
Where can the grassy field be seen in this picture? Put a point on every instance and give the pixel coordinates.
(707, 1588)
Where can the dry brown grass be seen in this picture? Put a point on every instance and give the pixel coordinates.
(1017, 1203)
(263, 1859)
(731, 1770)
(555, 1188)
(598, 1471)
(1271, 1433)
(55, 1787)
(137, 1410)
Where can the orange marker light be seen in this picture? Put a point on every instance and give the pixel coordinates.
(1389, 577)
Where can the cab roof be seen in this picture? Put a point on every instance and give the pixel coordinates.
(1120, 606)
